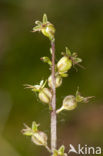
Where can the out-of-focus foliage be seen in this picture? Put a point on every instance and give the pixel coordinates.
(79, 25)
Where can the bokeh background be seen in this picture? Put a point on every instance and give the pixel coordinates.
(79, 25)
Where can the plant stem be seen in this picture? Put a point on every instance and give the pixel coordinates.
(53, 102)
(48, 149)
(59, 110)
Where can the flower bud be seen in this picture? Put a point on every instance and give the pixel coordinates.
(64, 64)
(39, 138)
(45, 95)
(58, 81)
(46, 59)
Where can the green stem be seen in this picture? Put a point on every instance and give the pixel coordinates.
(48, 149)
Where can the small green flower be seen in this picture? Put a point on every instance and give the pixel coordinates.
(66, 62)
(73, 56)
(70, 102)
(44, 93)
(38, 137)
(45, 27)
(59, 152)
(37, 88)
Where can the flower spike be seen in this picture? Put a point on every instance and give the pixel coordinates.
(48, 95)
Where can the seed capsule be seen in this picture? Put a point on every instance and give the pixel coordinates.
(39, 138)
(64, 64)
(48, 30)
(45, 95)
(58, 81)
(69, 102)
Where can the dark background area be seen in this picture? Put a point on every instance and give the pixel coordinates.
(79, 25)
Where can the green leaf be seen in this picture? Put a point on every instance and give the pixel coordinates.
(45, 19)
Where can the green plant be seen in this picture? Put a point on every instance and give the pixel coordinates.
(48, 94)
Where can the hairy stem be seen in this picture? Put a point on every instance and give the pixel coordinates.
(53, 102)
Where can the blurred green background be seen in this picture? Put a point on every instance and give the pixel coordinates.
(79, 25)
